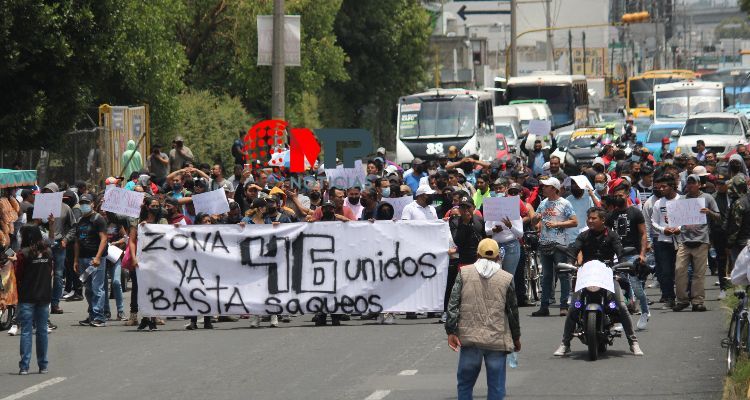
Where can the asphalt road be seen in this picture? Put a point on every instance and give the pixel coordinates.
(360, 360)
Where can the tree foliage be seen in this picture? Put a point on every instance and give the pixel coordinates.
(733, 27)
(387, 44)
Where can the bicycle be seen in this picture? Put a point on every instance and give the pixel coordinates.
(738, 339)
(533, 275)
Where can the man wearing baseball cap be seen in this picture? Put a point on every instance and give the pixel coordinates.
(180, 154)
(483, 321)
(420, 208)
(554, 215)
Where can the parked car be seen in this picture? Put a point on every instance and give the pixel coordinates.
(503, 152)
(721, 132)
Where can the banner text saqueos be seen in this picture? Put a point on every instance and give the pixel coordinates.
(300, 268)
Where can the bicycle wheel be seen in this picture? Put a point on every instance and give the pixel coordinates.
(731, 343)
(6, 316)
(529, 278)
(743, 344)
(537, 267)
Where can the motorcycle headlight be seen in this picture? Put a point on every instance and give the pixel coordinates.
(593, 288)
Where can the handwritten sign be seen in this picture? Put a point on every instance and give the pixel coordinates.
(398, 205)
(497, 208)
(686, 212)
(595, 273)
(46, 204)
(121, 201)
(582, 181)
(540, 128)
(213, 202)
(346, 178)
(333, 267)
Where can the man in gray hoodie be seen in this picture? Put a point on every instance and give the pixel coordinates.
(483, 321)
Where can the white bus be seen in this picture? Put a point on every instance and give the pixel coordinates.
(677, 101)
(566, 96)
(430, 122)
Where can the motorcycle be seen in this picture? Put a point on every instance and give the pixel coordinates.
(598, 309)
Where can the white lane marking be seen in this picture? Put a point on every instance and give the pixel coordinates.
(408, 372)
(35, 388)
(376, 395)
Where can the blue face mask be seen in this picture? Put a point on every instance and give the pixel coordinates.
(387, 192)
(85, 208)
(600, 186)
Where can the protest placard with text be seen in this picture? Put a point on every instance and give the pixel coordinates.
(213, 202)
(398, 205)
(121, 201)
(46, 204)
(686, 212)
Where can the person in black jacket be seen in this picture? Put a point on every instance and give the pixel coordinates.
(718, 235)
(467, 230)
(539, 156)
(33, 267)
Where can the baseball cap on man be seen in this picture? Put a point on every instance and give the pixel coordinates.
(700, 171)
(554, 182)
(50, 188)
(665, 140)
(598, 160)
(466, 202)
(86, 198)
(424, 189)
(488, 248)
(693, 177)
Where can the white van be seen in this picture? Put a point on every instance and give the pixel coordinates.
(508, 124)
(721, 132)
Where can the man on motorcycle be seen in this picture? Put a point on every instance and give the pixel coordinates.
(597, 243)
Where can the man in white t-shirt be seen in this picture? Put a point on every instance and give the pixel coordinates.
(420, 208)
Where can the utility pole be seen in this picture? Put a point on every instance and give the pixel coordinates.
(584, 52)
(548, 15)
(513, 55)
(277, 63)
(570, 51)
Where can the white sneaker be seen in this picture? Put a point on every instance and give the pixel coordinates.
(618, 327)
(562, 350)
(387, 319)
(643, 321)
(444, 318)
(13, 331)
(68, 295)
(635, 349)
(722, 294)
(274, 321)
(254, 321)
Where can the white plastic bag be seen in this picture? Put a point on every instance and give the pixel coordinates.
(741, 271)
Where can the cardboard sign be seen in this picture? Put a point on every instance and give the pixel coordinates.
(497, 208)
(46, 204)
(398, 205)
(582, 181)
(540, 128)
(686, 212)
(346, 178)
(595, 273)
(121, 201)
(213, 202)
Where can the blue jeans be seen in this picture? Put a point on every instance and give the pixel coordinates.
(94, 289)
(30, 314)
(114, 270)
(512, 255)
(636, 286)
(469, 366)
(58, 255)
(548, 276)
(665, 254)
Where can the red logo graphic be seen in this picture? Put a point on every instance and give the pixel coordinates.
(265, 140)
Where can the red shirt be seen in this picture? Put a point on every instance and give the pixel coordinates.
(347, 212)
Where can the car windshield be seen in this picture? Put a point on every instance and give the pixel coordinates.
(642, 124)
(559, 99)
(584, 142)
(712, 126)
(562, 141)
(500, 143)
(505, 130)
(657, 134)
(679, 104)
(454, 118)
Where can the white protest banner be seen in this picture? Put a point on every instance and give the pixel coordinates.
(398, 205)
(292, 42)
(296, 268)
(582, 181)
(686, 212)
(46, 204)
(540, 128)
(347, 177)
(121, 201)
(595, 273)
(497, 208)
(213, 202)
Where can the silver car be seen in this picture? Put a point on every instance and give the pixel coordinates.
(721, 132)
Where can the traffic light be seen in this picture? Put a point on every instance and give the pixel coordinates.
(634, 18)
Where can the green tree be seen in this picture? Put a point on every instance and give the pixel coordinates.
(209, 124)
(387, 43)
(733, 27)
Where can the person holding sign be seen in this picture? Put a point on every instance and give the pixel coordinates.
(692, 248)
(539, 156)
(601, 244)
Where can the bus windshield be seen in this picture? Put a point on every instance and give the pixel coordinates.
(712, 126)
(679, 104)
(559, 99)
(431, 119)
(640, 93)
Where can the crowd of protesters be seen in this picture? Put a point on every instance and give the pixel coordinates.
(554, 202)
